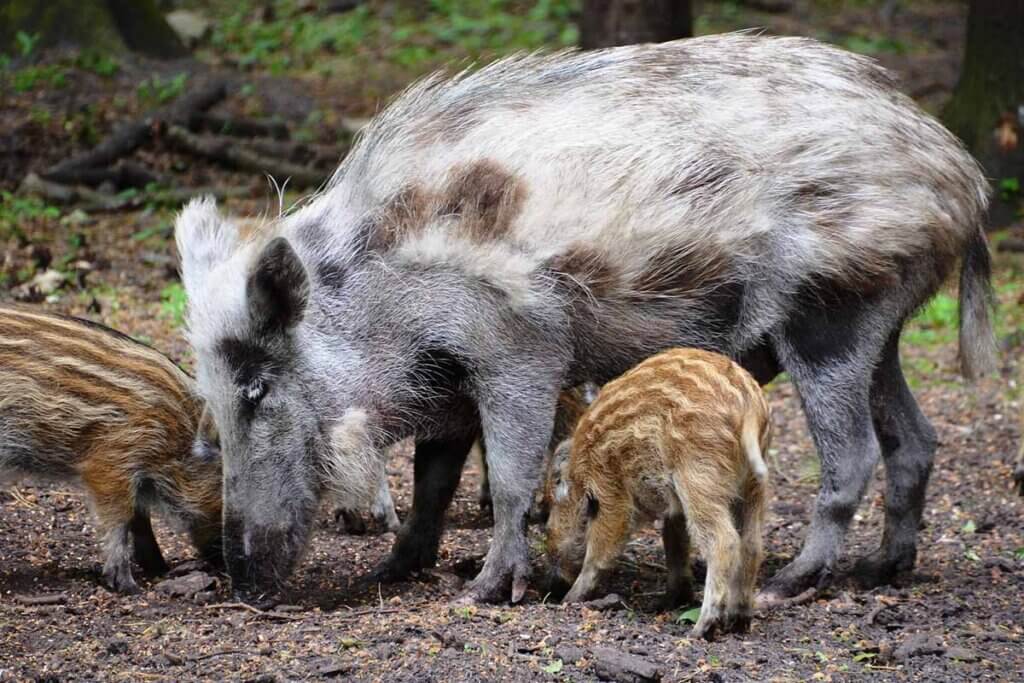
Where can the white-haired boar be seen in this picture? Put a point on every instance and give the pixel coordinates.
(679, 437)
(498, 236)
(82, 402)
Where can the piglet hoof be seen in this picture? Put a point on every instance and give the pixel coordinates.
(705, 628)
(1018, 479)
(738, 622)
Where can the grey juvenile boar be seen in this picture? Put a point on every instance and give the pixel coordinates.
(81, 402)
(498, 236)
(680, 437)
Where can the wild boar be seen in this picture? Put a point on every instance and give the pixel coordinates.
(499, 235)
(82, 402)
(680, 437)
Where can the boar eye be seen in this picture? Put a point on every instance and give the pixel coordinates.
(254, 390)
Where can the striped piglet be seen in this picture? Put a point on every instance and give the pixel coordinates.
(681, 437)
(82, 402)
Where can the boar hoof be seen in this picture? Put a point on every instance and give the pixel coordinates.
(792, 580)
(878, 569)
(675, 598)
(122, 582)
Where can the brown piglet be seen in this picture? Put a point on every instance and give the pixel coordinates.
(681, 437)
(82, 402)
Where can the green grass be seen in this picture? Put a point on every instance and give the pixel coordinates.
(174, 303)
(407, 38)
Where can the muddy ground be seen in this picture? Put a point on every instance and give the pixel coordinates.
(957, 617)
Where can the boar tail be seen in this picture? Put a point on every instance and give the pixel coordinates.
(750, 441)
(977, 341)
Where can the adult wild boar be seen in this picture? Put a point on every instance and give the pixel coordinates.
(548, 220)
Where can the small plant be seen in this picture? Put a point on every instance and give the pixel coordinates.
(690, 616)
(26, 42)
(99, 64)
(174, 303)
(1009, 189)
(25, 80)
(162, 90)
(554, 667)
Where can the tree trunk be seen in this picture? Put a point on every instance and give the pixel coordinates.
(987, 108)
(103, 25)
(624, 22)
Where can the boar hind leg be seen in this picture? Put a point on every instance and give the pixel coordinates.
(146, 550)
(436, 472)
(677, 560)
(908, 448)
(830, 351)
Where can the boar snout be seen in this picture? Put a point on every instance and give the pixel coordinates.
(259, 558)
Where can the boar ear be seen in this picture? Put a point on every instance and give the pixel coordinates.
(204, 239)
(278, 288)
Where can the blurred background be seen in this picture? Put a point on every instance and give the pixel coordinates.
(115, 112)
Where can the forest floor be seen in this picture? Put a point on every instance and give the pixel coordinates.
(957, 617)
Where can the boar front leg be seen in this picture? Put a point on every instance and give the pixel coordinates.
(436, 472)
(517, 420)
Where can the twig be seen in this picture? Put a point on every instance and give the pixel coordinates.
(17, 496)
(227, 152)
(123, 174)
(801, 599)
(254, 610)
(37, 600)
(238, 126)
(221, 653)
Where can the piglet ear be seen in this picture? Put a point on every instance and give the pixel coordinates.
(277, 290)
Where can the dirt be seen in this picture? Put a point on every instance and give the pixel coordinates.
(956, 617)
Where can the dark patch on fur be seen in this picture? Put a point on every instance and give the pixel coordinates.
(403, 215)
(485, 198)
(824, 326)
(671, 271)
(582, 266)
(593, 506)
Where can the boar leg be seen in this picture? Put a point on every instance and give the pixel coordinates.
(908, 448)
(436, 472)
(676, 540)
(830, 353)
(483, 494)
(517, 422)
(144, 545)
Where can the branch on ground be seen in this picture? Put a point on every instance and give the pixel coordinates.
(228, 152)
